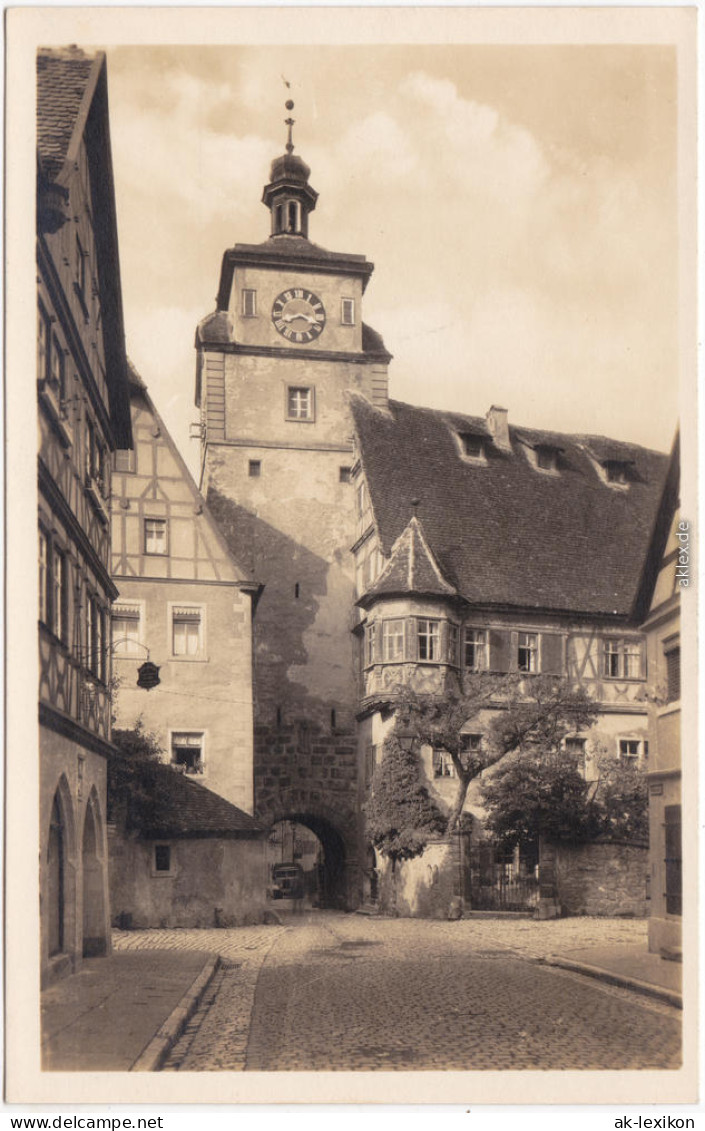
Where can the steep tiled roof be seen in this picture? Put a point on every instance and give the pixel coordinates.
(411, 569)
(62, 80)
(503, 532)
(182, 807)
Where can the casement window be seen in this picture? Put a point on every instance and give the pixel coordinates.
(124, 461)
(630, 750)
(347, 311)
(43, 337)
(254, 468)
(299, 402)
(443, 764)
(43, 578)
(673, 674)
(393, 640)
(95, 459)
(249, 303)
(370, 634)
(155, 536)
(673, 859)
(126, 629)
(622, 659)
(186, 630)
(452, 644)
(475, 650)
(187, 751)
(428, 639)
(471, 743)
(528, 652)
(95, 643)
(58, 593)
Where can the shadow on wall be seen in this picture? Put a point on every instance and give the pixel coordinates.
(296, 582)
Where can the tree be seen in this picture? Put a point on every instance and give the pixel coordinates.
(620, 800)
(401, 814)
(130, 784)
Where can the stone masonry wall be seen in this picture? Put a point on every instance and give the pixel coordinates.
(601, 879)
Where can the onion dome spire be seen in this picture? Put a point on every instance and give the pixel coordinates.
(288, 196)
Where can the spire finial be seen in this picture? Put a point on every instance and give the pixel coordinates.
(289, 122)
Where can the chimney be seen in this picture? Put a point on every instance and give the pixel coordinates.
(499, 427)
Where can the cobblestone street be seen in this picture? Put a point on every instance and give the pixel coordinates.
(331, 991)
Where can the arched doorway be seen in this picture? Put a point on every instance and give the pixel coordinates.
(94, 920)
(56, 879)
(307, 853)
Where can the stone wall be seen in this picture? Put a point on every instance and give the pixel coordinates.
(604, 880)
(427, 887)
(214, 882)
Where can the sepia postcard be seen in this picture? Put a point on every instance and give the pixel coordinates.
(354, 760)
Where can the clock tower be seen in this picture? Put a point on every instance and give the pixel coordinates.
(277, 362)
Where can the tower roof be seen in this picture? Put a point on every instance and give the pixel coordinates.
(412, 568)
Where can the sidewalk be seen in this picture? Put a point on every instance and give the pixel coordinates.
(122, 1013)
(631, 966)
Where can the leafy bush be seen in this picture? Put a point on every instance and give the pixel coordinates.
(401, 815)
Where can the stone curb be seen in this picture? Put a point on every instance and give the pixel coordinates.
(672, 997)
(153, 1056)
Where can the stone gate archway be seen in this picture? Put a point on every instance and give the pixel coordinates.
(339, 878)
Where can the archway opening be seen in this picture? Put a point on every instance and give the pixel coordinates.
(94, 920)
(56, 880)
(306, 864)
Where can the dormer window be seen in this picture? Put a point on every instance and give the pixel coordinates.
(547, 458)
(472, 446)
(617, 472)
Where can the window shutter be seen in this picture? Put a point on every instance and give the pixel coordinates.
(500, 650)
(551, 653)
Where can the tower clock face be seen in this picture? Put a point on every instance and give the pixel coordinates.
(298, 315)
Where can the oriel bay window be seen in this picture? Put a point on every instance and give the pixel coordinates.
(393, 640)
(186, 630)
(428, 639)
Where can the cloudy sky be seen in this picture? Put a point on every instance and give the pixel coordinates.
(519, 203)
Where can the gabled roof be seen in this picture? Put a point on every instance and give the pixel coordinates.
(503, 533)
(72, 108)
(411, 569)
(181, 807)
(138, 391)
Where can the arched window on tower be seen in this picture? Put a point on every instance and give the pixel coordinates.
(279, 218)
(294, 207)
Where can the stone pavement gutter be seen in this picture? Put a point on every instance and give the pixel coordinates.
(158, 1048)
(631, 967)
(122, 1013)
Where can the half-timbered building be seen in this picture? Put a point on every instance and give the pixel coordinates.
(83, 415)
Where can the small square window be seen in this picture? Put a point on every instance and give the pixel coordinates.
(344, 474)
(249, 303)
(254, 468)
(629, 750)
(472, 743)
(347, 311)
(162, 858)
(546, 458)
(299, 402)
(155, 536)
(616, 472)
